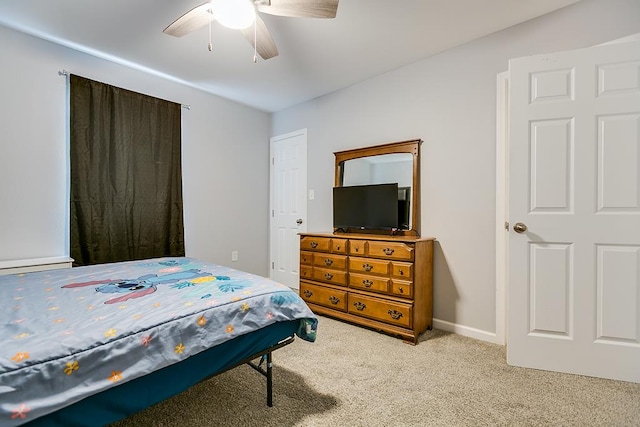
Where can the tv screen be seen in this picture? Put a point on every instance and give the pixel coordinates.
(366, 206)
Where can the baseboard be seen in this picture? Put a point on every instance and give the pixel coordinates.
(465, 331)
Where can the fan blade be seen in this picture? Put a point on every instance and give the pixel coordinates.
(299, 8)
(266, 46)
(196, 18)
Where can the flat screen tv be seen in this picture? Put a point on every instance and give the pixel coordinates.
(366, 207)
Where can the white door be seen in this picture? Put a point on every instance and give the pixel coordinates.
(288, 205)
(574, 182)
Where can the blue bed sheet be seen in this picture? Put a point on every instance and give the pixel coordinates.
(68, 334)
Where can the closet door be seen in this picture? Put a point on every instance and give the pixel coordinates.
(288, 214)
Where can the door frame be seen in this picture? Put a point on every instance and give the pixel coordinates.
(502, 205)
(272, 142)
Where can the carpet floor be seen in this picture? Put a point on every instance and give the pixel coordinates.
(352, 376)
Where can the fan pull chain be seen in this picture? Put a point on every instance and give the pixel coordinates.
(210, 46)
(255, 41)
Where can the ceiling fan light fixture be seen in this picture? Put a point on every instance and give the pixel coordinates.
(235, 14)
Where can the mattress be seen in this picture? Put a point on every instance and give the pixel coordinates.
(69, 334)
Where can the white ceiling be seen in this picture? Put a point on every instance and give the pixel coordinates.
(317, 56)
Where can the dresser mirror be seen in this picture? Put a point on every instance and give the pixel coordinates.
(397, 162)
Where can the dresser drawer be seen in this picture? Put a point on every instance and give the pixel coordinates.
(306, 272)
(403, 270)
(339, 246)
(368, 283)
(369, 265)
(390, 250)
(337, 277)
(306, 257)
(402, 288)
(386, 311)
(310, 243)
(330, 261)
(320, 295)
(358, 247)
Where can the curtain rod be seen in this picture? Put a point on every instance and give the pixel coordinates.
(65, 73)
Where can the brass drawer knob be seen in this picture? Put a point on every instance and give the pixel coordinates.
(328, 276)
(356, 248)
(402, 272)
(307, 293)
(367, 267)
(400, 290)
(359, 305)
(367, 283)
(388, 251)
(313, 244)
(334, 300)
(395, 315)
(328, 262)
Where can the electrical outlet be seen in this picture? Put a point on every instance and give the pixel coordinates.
(234, 255)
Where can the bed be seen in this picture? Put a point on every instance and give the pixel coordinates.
(91, 345)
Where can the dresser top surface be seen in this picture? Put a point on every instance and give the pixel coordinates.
(358, 236)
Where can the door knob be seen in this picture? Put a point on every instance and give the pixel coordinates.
(299, 221)
(519, 227)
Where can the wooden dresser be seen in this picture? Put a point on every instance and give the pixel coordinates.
(381, 282)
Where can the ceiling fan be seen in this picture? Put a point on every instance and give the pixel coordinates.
(243, 15)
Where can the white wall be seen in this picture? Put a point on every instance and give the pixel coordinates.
(449, 102)
(225, 157)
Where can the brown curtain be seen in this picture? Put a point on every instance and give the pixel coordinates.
(126, 176)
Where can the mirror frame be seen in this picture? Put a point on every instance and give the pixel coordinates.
(410, 146)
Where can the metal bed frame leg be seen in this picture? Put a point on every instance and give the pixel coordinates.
(269, 380)
(268, 373)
